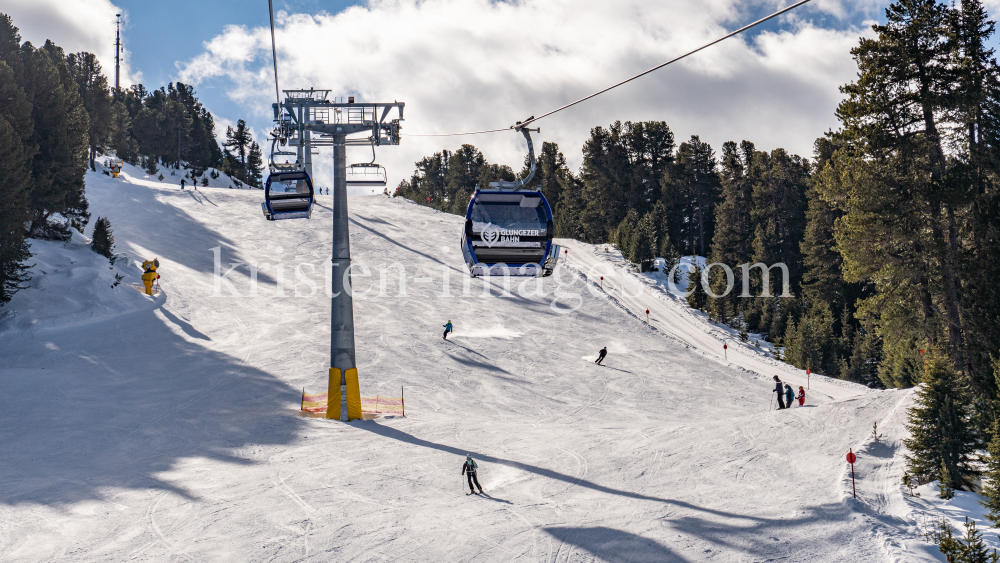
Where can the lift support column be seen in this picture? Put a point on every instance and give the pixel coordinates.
(343, 368)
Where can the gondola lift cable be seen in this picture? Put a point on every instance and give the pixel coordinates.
(274, 52)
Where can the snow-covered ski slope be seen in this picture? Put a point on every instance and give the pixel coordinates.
(165, 428)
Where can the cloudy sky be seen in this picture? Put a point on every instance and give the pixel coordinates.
(467, 65)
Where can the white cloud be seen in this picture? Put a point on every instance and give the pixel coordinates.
(467, 65)
(74, 25)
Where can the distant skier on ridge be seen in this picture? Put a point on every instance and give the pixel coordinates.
(469, 470)
(780, 391)
(601, 355)
(447, 329)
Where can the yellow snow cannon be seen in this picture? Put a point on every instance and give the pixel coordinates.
(149, 275)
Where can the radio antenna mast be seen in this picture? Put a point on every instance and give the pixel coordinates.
(118, 50)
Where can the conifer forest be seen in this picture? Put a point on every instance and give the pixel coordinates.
(58, 112)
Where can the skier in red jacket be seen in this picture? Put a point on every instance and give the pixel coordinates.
(802, 396)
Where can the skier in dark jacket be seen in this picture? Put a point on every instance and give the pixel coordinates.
(780, 391)
(789, 395)
(600, 356)
(469, 470)
(447, 329)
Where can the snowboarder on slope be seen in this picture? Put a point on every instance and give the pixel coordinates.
(447, 329)
(469, 470)
(802, 396)
(182, 183)
(778, 389)
(789, 395)
(600, 356)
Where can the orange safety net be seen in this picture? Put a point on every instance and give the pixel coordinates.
(371, 405)
(314, 403)
(382, 405)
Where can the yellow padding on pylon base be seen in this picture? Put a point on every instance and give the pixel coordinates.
(333, 395)
(353, 394)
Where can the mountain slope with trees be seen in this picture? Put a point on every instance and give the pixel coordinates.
(58, 112)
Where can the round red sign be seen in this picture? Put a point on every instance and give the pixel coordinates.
(725, 346)
(851, 458)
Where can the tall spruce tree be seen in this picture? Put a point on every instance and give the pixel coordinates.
(571, 205)
(643, 244)
(733, 227)
(623, 236)
(103, 240)
(900, 197)
(942, 441)
(697, 298)
(238, 143)
(255, 166)
(978, 96)
(96, 97)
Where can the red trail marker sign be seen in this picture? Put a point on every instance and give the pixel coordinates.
(851, 458)
(725, 350)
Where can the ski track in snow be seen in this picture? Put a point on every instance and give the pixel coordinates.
(165, 427)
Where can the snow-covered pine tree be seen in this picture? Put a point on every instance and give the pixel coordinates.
(945, 488)
(622, 235)
(697, 299)
(942, 439)
(669, 254)
(643, 244)
(255, 166)
(991, 483)
(974, 549)
(104, 239)
(949, 546)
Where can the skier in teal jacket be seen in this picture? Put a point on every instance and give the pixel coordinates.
(447, 329)
(469, 470)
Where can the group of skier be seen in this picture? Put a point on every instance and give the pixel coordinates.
(786, 396)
